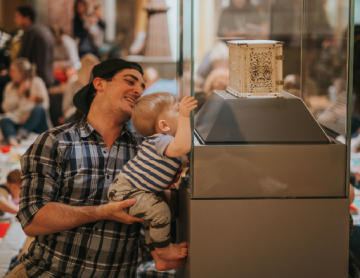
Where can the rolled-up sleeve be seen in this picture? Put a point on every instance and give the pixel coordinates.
(41, 175)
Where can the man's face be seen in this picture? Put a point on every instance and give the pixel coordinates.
(122, 92)
(19, 19)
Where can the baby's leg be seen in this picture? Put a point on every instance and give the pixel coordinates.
(158, 232)
(160, 264)
(121, 189)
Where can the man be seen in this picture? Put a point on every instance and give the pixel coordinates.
(66, 176)
(11, 189)
(37, 43)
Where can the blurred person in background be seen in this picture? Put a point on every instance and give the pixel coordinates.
(88, 61)
(153, 82)
(10, 192)
(65, 54)
(218, 79)
(97, 26)
(81, 25)
(37, 43)
(217, 57)
(4, 73)
(25, 103)
(244, 20)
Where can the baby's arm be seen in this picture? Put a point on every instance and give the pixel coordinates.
(181, 145)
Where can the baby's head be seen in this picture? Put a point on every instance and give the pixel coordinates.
(156, 113)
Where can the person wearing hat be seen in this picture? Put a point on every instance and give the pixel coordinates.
(66, 175)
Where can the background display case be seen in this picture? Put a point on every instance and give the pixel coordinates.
(266, 193)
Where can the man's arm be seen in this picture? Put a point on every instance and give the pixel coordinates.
(56, 217)
(40, 213)
(8, 206)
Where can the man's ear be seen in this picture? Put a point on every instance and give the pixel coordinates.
(163, 126)
(98, 84)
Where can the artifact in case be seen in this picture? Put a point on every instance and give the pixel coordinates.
(256, 68)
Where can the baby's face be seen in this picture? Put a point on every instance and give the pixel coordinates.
(171, 118)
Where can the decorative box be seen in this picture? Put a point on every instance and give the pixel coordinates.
(256, 68)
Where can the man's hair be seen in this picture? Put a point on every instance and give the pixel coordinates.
(147, 110)
(27, 11)
(14, 177)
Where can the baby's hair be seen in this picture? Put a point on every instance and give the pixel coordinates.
(14, 177)
(147, 110)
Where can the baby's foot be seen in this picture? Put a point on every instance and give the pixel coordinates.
(173, 251)
(163, 265)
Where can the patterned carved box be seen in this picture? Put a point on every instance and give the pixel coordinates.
(256, 68)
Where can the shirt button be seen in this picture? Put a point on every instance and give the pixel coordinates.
(89, 257)
(104, 151)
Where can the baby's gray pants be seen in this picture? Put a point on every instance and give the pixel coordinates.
(149, 207)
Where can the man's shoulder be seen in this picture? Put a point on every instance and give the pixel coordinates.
(67, 131)
(40, 31)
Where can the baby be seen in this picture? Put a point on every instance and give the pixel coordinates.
(166, 125)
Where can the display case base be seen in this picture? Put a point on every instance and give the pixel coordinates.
(256, 238)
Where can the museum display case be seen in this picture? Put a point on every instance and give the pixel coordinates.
(266, 194)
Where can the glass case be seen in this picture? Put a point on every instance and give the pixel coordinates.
(316, 59)
(260, 157)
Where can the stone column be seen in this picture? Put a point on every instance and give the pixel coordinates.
(157, 36)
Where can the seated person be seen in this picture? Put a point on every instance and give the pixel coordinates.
(66, 57)
(9, 193)
(25, 103)
(88, 61)
(159, 117)
(65, 51)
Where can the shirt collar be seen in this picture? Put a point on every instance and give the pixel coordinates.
(128, 131)
(86, 129)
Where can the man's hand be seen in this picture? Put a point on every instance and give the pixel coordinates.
(115, 211)
(175, 179)
(187, 104)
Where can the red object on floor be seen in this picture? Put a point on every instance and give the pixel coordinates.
(4, 227)
(60, 76)
(352, 207)
(5, 149)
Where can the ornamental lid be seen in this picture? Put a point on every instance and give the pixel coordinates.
(254, 42)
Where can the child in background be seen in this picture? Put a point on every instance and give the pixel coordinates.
(166, 125)
(9, 193)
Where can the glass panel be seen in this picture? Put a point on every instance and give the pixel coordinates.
(325, 55)
(315, 69)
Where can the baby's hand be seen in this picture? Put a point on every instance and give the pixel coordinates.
(187, 104)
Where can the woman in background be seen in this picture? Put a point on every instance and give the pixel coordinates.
(81, 27)
(25, 103)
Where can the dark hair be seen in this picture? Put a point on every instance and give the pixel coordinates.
(14, 177)
(76, 4)
(27, 11)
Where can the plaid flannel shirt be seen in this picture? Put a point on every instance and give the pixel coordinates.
(70, 164)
